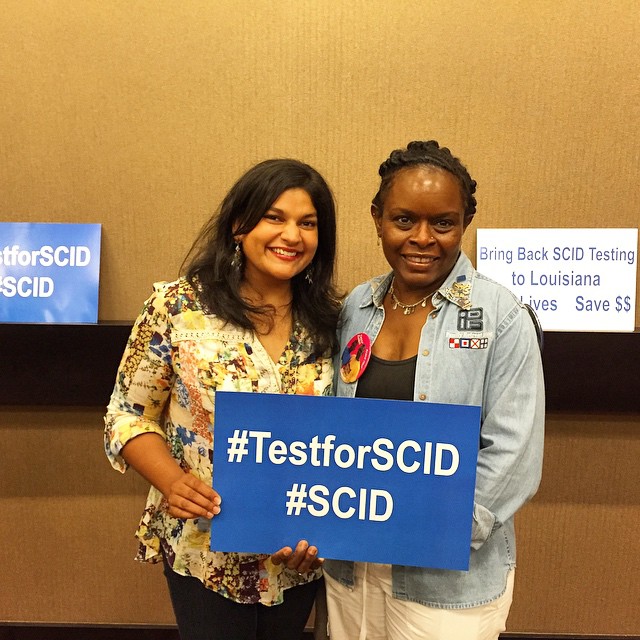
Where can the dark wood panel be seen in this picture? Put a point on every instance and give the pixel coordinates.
(75, 365)
(592, 371)
(60, 365)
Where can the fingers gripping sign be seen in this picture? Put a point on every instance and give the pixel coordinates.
(303, 559)
(189, 497)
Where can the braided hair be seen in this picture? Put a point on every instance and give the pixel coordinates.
(428, 153)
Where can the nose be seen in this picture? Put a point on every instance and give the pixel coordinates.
(290, 232)
(422, 235)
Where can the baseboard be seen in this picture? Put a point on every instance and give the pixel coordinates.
(13, 631)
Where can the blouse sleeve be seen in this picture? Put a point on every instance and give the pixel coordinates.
(143, 382)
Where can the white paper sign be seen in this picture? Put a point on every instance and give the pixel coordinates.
(574, 279)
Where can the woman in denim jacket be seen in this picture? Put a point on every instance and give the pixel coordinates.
(441, 332)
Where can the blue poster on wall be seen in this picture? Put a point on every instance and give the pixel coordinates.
(369, 480)
(49, 272)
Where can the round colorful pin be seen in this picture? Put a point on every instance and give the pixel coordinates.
(355, 357)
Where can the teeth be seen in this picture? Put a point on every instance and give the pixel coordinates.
(282, 252)
(420, 259)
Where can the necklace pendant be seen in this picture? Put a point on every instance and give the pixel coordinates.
(424, 303)
(408, 311)
(395, 306)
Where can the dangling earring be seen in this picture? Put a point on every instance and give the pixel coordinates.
(378, 240)
(308, 276)
(236, 261)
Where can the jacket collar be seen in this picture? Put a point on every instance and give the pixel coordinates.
(456, 288)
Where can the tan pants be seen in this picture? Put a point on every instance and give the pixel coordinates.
(370, 612)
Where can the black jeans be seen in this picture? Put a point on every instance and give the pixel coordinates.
(202, 614)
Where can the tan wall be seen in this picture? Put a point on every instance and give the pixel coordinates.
(68, 520)
(139, 115)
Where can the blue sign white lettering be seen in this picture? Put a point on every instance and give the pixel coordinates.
(369, 480)
(49, 272)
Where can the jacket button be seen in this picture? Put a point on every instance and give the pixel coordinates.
(423, 396)
(425, 352)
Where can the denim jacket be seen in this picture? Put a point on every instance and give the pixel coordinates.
(478, 347)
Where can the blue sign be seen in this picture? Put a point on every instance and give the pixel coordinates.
(49, 272)
(368, 480)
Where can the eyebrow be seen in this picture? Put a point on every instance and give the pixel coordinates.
(313, 214)
(440, 214)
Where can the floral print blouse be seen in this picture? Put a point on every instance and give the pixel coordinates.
(176, 358)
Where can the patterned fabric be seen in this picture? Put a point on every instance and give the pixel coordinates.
(177, 357)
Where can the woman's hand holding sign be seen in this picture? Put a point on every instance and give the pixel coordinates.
(189, 497)
(303, 559)
(186, 495)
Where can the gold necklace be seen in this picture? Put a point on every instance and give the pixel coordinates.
(407, 309)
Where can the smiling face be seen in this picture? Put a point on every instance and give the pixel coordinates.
(421, 226)
(283, 243)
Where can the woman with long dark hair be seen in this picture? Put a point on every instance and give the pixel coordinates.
(256, 311)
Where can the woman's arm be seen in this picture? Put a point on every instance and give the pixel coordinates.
(188, 497)
(134, 434)
(512, 432)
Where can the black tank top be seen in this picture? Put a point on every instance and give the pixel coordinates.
(388, 379)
